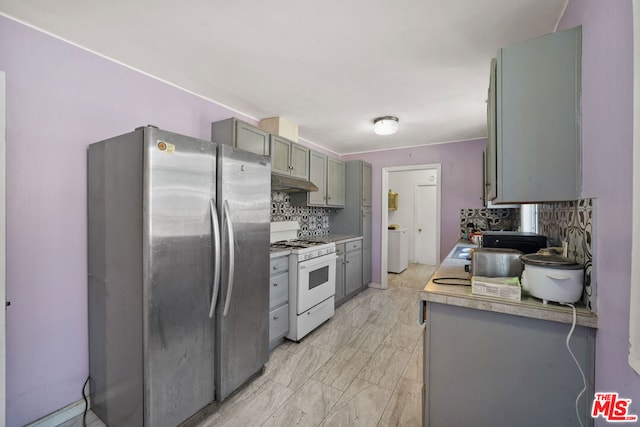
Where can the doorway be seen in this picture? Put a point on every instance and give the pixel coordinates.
(419, 195)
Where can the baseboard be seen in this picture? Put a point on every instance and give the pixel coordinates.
(61, 415)
(377, 285)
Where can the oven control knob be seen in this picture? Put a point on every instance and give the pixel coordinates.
(307, 256)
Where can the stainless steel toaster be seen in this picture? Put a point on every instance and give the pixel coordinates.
(495, 262)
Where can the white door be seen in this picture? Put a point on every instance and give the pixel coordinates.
(425, 226)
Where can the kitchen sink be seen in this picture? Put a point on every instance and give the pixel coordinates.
(462, 252)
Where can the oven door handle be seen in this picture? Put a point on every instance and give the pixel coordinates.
(232, 250)
(215, 225)
(317, 261)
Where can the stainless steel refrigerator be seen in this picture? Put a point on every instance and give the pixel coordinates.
(178, 237)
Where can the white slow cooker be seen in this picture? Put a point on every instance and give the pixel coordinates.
(552, 278)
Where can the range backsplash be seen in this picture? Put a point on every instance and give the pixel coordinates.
(505, 219)
(313, 221)
(574, 222)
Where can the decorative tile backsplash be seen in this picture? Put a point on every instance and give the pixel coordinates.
(313, 221)
(488, 219)
(573, 222)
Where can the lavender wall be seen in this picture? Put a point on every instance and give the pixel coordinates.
(461, 185)
(607, 145)
(59, 99)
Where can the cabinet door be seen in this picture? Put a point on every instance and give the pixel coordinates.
(489, 192)
(278, 290)
(251, 138)
(278, 323)
(366, 184)
(280, 149)
(299, 161)
(335, 183)
(366, 228)
(353, 271)
(317, 175)
(340, 290)
(538, 129)
(366, 266)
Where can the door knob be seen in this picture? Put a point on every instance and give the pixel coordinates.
(419, 230)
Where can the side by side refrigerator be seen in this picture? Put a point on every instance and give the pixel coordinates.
(173, 243)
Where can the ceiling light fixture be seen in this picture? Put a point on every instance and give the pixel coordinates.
(386, 125)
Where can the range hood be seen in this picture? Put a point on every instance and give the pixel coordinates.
(288, 184)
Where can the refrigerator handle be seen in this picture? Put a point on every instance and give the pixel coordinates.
(232, 250)
(215, 225)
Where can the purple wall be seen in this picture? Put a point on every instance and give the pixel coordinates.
(59, 99)
(607, 147)
(461, 185)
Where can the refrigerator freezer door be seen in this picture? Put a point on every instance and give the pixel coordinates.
(179, 182)
(242, 335)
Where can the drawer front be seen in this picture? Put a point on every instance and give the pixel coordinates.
(278, 322)
(340, 248)
(278, 265)
(356, 244)
(278, 289)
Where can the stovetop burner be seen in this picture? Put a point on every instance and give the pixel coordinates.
(298, 243)
(305, 248)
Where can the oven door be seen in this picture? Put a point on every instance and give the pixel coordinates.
(316, 281)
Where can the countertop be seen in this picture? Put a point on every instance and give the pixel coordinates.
(528, 307)
(338, 238)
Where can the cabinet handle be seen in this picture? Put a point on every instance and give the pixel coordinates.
(276, 317)
(275, 283)
(328, 198)
(275, 267)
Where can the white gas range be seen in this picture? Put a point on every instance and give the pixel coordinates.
(312, 275)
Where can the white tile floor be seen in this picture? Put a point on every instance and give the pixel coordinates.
(361, 368)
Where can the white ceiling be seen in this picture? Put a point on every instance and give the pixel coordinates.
(330, 66)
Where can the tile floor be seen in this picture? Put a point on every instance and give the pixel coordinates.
(363, 367)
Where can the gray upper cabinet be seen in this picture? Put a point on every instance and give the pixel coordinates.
(241, 135)
(489, 158)
(318, 175)
(537, 152)
(366, 184)
(328, 175)
(335, 183)
(289, 158)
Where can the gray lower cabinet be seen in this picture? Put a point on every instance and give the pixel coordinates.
(495, 369)
(537, 118)
(348, 270)
(341, 293)
(366, 266)
(241, 135)
(353, 267)
(278, 300)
